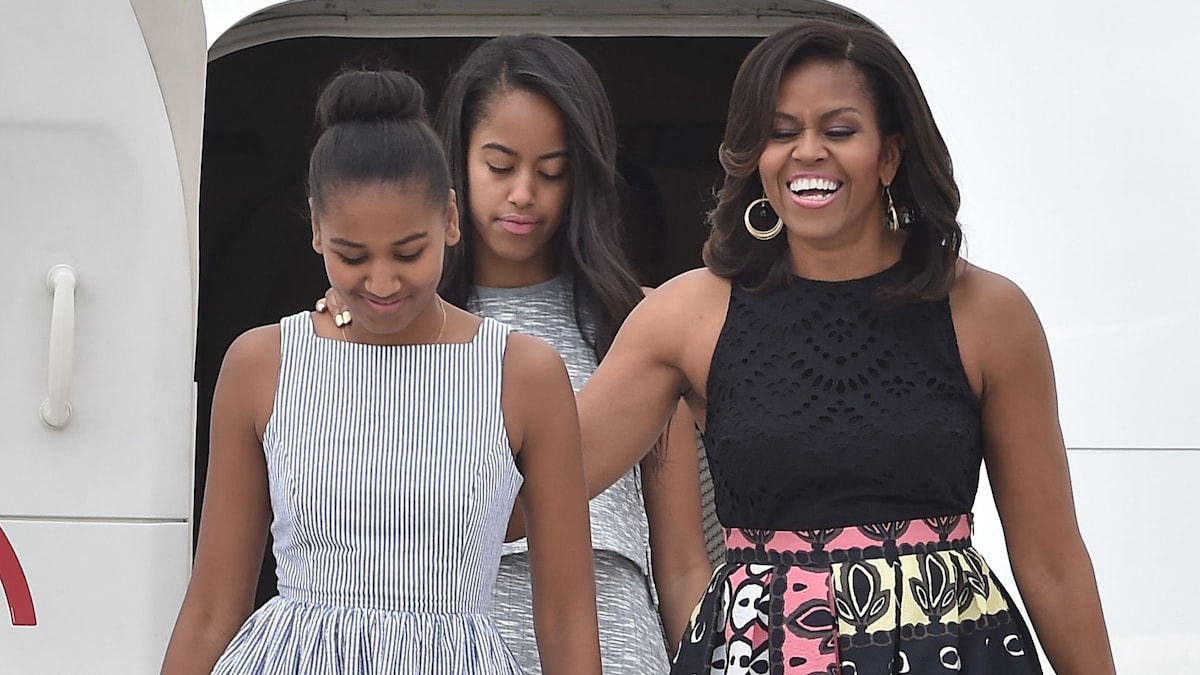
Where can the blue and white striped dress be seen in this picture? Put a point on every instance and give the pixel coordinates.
(392, 481)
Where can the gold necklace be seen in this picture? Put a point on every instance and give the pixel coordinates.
(441, 331)
(442, 304)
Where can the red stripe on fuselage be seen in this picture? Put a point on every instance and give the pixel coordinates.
(16, 587)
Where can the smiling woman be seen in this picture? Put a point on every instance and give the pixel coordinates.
(826, 159)
(853, 373)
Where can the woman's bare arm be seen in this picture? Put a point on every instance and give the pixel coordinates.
(656, 358)
(233, 528)
(543, 424)
(671, 485)
(1027, 465)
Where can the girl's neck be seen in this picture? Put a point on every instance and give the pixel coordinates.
(495, 272)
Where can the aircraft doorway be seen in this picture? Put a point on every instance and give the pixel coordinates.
(256, 263)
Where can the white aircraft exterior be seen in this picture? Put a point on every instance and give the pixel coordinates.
(1073, 126)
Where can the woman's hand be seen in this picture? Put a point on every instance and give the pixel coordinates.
(333, 304)
(671, 489)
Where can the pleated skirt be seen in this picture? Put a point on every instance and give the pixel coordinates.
(899, 597)
(291, 637)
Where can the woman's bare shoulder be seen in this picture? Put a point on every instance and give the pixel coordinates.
(987, 296)
(686, 292)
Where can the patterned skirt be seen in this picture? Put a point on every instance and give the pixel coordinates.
(899, 597)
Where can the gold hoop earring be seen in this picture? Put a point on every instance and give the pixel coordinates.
(761, 235)
(890, 219)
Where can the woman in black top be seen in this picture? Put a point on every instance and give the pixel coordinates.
(852, 372)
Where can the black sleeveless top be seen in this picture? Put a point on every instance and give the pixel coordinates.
(827, 410)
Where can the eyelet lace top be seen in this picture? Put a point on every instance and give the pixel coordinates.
(825, 409)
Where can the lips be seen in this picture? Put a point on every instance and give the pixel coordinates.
(814, 191)
(518, 225)
(384, 305)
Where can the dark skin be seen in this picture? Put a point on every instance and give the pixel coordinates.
(667, 343)
(377, 248)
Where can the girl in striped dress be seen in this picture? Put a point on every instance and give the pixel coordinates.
(389, 448)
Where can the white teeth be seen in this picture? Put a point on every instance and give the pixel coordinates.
(810, 183)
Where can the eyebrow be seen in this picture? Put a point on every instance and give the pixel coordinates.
(400, 242)
(513, 153)
(832, 113)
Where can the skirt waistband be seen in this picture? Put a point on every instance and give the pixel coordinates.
(847, 544)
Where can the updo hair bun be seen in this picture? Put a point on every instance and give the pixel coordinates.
(370, 95)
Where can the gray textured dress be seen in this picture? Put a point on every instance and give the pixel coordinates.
(631, 636)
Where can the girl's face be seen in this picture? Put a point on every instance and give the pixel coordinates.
(826, 162)
(383, 246)
(518, 188)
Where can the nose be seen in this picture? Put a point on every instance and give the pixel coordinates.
(382, 280)
(809, 147)
(520, 193)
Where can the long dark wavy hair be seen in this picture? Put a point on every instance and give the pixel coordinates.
(587, 243)
(924, 189)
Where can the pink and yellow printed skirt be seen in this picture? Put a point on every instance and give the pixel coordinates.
(899, 597)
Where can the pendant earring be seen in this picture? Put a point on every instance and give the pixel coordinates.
(761, 235)
(890, 219)
(342, 318)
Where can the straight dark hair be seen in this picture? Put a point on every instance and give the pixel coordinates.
(587, 243)
(924, 191)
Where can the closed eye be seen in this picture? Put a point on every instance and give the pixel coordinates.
(352, 261)
(499, 169)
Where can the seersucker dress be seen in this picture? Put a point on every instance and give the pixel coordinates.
(391, 480)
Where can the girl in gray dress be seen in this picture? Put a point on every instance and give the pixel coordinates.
(532, 146)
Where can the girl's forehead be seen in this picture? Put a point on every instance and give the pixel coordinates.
(522, 122)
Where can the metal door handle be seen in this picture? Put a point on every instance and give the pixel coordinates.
(56, 409)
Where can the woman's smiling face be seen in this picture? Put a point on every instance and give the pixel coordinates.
(826, 161)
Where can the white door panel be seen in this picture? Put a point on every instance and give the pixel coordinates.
(105, 596)
(1131, 506)
(1076, 163)
(91, 179)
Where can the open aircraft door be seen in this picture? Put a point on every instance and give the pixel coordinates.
(100, 130)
